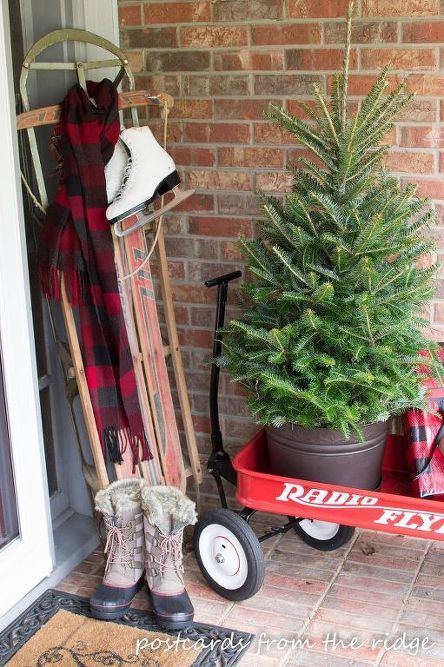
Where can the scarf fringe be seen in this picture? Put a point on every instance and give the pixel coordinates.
(50, 278)
(116, 442)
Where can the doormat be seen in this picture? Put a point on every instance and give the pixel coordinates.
(58, 629)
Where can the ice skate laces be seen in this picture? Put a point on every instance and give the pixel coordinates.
(170, 553)
(116, 546)
(125, 178)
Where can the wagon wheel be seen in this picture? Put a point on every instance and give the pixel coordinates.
(323, 535)
(229, 554)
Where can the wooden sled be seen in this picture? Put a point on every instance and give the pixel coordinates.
(148, 351)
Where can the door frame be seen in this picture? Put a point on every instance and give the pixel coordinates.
(28, 559)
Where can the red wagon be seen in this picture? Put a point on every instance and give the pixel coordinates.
(324, 515)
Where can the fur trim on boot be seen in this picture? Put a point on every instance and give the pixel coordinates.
(119, 496)
(160, 500)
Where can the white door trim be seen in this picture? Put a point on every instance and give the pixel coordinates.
(29, 558)
(99, 17)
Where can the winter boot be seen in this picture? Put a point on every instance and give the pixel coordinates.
(116, 170)
(123, 578)
(150, 173)
(166, 513)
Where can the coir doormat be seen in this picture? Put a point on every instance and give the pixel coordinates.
(58, 629)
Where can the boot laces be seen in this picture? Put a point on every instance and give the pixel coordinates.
(116, 546)
(125, 176)
(170, 550)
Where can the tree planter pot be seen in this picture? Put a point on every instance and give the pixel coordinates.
(324, 455)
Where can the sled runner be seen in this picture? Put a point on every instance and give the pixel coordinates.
(136, 289)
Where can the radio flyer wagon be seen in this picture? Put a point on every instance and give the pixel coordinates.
(227, 549)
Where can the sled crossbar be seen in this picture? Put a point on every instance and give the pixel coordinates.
(51, 115)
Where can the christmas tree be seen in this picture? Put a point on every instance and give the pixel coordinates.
(332, 330)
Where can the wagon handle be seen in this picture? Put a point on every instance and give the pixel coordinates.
(219, 463)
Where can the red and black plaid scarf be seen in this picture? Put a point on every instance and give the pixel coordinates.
(77, 243)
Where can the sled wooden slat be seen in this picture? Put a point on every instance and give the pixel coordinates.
(176, 357)
(51, 115)
(82, 386)
(156, 373)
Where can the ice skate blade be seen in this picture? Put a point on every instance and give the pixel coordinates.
(179, 197)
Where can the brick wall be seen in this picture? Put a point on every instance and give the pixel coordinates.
(224, 61)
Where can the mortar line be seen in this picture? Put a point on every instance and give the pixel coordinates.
(405, 599)
(331, 582)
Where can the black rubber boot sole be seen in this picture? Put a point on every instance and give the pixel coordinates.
(108, 602)
(172, 612)
(163, 188)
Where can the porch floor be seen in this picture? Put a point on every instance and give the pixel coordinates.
(377, 587)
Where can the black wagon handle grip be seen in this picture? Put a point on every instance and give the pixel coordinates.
(223, 279)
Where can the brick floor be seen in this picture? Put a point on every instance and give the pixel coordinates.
(370, 602)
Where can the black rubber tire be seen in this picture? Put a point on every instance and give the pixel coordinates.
(344, 535)
(252, 550)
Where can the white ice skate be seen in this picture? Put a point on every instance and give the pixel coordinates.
(149, 173)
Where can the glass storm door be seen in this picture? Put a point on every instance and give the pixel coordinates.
(25, 536)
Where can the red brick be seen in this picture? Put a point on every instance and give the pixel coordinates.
(219, 226)
(420, 111)
(295, 154)
(214, 36)
(294, 108)
(150, 38)
(130, 15)
(285, 84)
(427, 84)
(201, 423)
(192, 294)
(239, 203)
(136, 61)
(360, 84)
(184, 155)
(186, 108)
(318, 59)
(225, 84)
(197, 202)
(287, 33)
(231, 251)
(178, 246)
(404, 8)
(303, 9)
(249, 60)
(363, 32)
(168, 83)
(177, 61)
(177, 12)
(195, 337)
(400, 58)
(250, 157)
(216, 85)
(428, 32)
(422, 136)
(242, 10)
(219, 180)
(247, 109)
(274, 181)
(201, 271)
(433, 188)
(268, 133)
(410, 162)
(226, 133)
